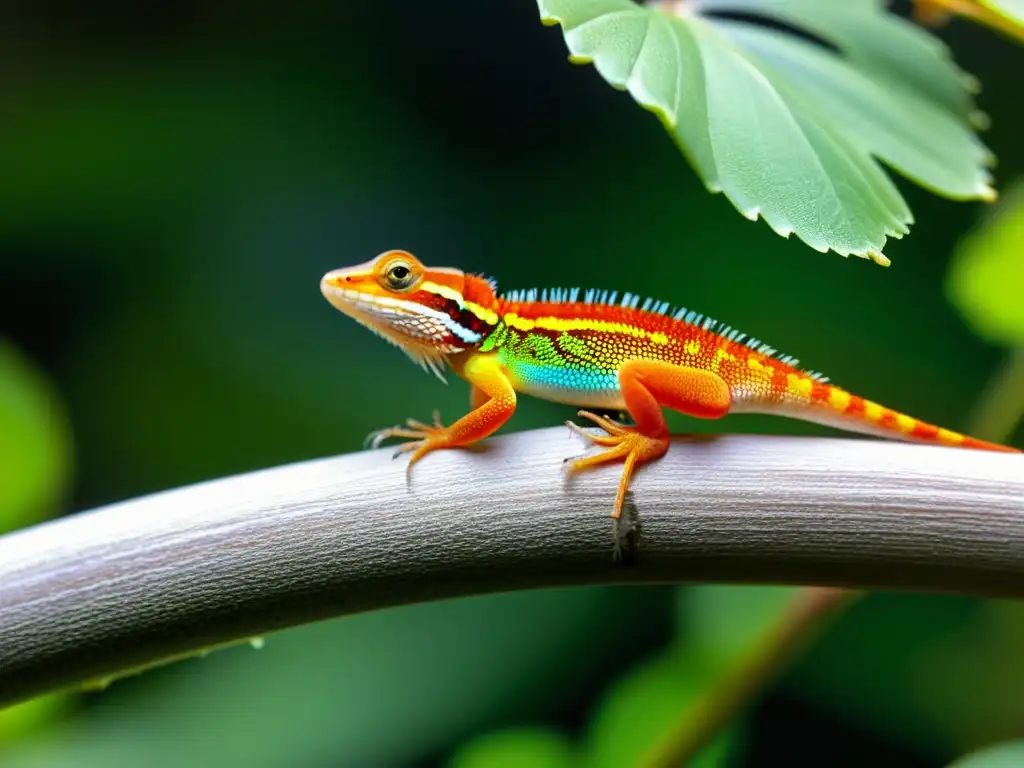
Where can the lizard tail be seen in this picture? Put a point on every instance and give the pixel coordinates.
(853, 412)
(827, 404)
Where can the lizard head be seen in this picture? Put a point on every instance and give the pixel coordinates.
(430, 313)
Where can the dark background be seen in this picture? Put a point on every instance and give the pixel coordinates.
(176, 178)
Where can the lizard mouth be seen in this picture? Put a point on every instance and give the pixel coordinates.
(332, 288)
(371, 310)
(387, 322)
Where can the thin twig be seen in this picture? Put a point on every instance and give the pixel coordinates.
(749, 676)
(95, 594)
(1000, 408)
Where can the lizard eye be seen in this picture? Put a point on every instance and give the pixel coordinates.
(399, 276)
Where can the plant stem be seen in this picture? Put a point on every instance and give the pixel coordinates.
(749, 676)
(1000, 408)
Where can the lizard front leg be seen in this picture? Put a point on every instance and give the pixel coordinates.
(646, 386)
(493, 400)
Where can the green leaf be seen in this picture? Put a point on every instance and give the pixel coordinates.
(987, 272)
(644, 706)
(881, 119)
(1008, 755)
(889, 48)
(517, 748)
(35, 442)
(787, 130)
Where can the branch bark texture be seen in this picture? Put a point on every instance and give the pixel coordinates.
(100, 592)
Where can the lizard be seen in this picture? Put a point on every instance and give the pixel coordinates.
(595, 350)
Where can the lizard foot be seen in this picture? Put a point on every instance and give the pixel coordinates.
(423, 438)
(625, 444)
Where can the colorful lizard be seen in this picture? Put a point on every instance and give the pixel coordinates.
(590, 349)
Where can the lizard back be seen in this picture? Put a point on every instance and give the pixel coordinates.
(567, 345)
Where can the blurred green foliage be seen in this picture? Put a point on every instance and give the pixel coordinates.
(519, 748)
(721, 622)
(35, 469)
(941, 673)
(642, 707)
(1009, 755)
(174, 190)
(986, 277)
(986, 283)
(35, 443)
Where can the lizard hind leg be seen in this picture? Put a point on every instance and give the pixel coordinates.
(646, 386)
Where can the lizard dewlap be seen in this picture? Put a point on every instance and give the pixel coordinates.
(595, 349)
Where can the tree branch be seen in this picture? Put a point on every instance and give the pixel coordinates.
(94, 594)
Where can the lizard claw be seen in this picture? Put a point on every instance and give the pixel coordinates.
(419, 426)
(375, 438)
(422, 438)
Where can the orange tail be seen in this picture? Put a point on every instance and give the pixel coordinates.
(982, 445)
(853, 412)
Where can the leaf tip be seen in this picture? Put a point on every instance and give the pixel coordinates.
(987, 193)
(879, 258)
(979, 120)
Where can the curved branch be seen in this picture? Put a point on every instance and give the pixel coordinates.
(94, 594)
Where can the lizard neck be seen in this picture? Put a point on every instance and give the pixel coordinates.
(477, 311)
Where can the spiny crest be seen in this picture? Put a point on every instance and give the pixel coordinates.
(654, 306)
(489, 280)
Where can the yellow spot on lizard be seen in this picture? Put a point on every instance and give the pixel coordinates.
(489, 316)
(800, 385)
(873, 411)
(949, 438)
(905, 424)
(839, 399)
